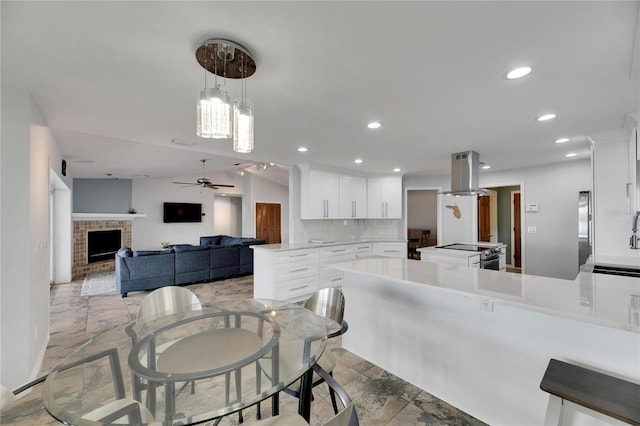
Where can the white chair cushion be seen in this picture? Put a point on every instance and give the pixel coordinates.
(116, 405)
(281, 420)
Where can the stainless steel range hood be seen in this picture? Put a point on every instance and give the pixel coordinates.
(465, 168)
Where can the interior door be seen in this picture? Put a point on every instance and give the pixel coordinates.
(268, 222)
(516, 230)
(484, 219)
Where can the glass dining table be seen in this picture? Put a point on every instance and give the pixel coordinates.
(191, 367)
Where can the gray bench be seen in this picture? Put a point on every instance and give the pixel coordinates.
(600, 392)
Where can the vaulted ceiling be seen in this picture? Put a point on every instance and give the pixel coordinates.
(118, 81)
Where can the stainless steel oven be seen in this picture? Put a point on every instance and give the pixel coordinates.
(490, 259)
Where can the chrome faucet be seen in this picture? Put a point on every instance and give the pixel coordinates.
(634, 241)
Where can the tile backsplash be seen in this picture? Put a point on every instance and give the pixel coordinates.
(345, 230)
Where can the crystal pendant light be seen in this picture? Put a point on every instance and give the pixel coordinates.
(242, 125)
(204, 127)
(229, 60)
(220, 113)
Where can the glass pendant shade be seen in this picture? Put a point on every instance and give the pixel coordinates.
(242, 125)
(204, 127)
(220, 113)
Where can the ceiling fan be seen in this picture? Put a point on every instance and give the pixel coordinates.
(204, 182)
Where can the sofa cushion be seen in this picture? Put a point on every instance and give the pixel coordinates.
(139, 253)
(212, 240)
(125, 252)
(187, 248)
(227, 240)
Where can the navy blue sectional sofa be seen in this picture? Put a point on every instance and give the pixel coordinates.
(217, 257)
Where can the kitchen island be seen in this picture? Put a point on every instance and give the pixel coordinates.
(481, 340)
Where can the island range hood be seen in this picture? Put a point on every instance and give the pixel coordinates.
(465, 169)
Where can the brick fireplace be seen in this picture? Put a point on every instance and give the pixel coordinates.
(81, 228)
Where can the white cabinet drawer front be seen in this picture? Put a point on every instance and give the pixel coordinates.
(288, 271)
(326, 252)
(362, 250)
(391, 249)
(294, 288)
(296, 255)
(330, 279)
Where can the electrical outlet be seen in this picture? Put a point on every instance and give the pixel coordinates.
(486, 305)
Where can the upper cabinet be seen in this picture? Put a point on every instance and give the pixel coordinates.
(353, 197)
(384, 197)
(319, 194)
(332, 195)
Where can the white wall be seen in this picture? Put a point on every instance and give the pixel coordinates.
(28, 152)
(149, 194)
(227, 212)
(553, 250)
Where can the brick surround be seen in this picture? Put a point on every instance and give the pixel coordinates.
(81, 266)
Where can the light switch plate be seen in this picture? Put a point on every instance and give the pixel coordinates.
(531, 229)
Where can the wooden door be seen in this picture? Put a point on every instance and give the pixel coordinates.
(268, 222)
(516, 230)
(484, 219)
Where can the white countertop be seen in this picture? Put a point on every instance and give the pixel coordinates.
(595, 298)
(631, 260)
(307, 245)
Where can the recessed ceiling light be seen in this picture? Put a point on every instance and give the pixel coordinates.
(562, 140)
(486, 166)
(358, 161)
(546, 117)
(374, 125)
(518, 73)
(302, 149)
(571, 154)
(397, 169)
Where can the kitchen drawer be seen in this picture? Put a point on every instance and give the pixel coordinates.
(293, 270)
(331, 278)
(391, 249)
(296, 255)
(362, 250)
(334, 251)
(296, 289)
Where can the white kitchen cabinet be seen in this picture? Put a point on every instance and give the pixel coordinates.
(390, 249)
(362, 250)
(353, 197)
(319, 194)
(330, 277)
(384, 197)
(285, 275)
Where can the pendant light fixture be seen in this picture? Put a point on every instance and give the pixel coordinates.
(226, 59)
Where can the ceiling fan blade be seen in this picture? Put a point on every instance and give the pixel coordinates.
(185, 183)
(216, 186)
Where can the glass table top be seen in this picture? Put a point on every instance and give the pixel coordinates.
(187, 368)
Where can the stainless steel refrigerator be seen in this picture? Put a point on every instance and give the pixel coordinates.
(585, 228)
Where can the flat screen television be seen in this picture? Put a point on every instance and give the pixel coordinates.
(182, 212)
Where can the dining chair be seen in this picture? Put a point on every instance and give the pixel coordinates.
(167, 301)
(328, 303)
(161, 302)
(112, 412)
(346, 417)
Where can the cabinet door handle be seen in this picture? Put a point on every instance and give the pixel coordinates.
(382, 209)
(386, 209)
(337, 251)
(299, 255)
(298, 288)
(298, 270)
(353, 209)
(336, 279)
(391, 251)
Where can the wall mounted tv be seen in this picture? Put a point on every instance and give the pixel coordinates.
(182, 212)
